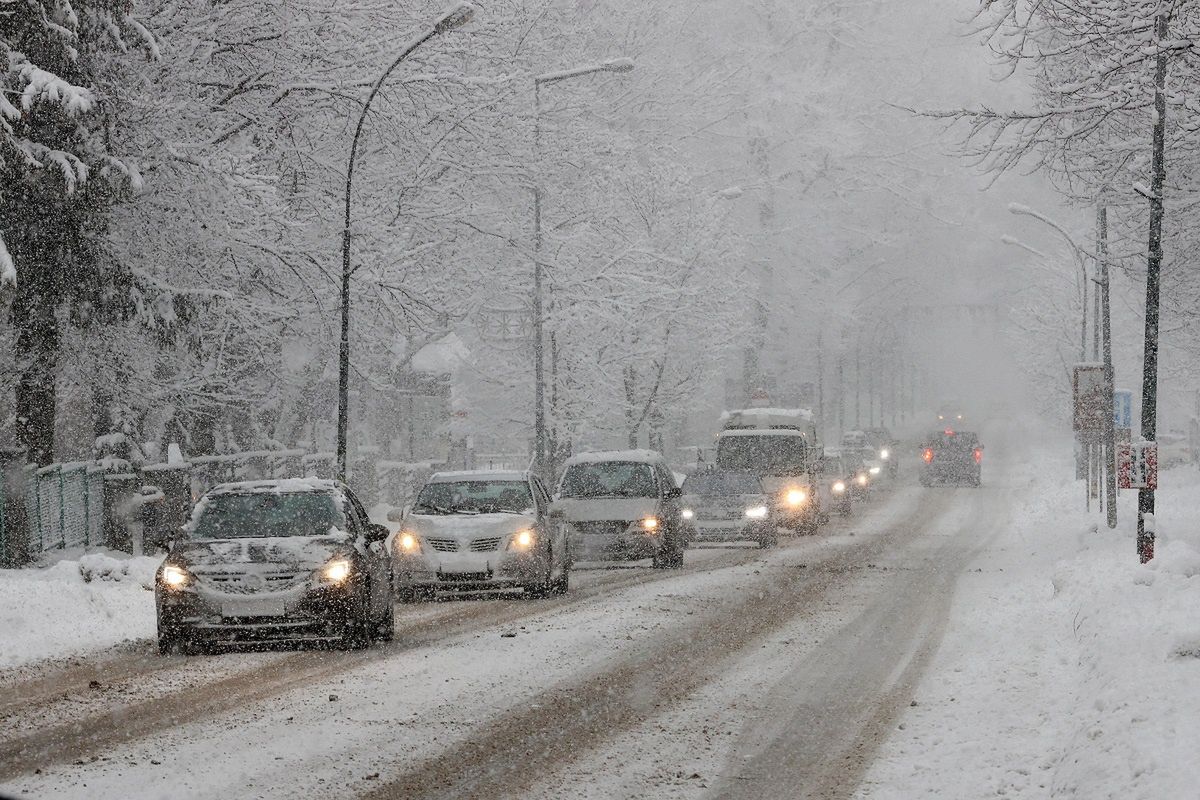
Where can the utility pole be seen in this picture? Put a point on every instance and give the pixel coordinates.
(858, 382)
(821, 383)
(1109, 448)
(1154, 255)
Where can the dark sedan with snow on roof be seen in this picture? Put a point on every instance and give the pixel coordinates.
(284, 559)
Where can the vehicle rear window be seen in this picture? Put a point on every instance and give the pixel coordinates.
(267, 515)
(479, 497)
(609, 479)
(722, 483)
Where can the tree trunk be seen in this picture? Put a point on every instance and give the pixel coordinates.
(631, 414)
(36, 355)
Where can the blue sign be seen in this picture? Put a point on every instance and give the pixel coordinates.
(1122, 408)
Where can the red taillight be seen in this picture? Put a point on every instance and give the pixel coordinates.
(949, 431)
(978, 455)
(927, 455)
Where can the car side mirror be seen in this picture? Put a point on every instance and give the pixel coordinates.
(398, 514)
(376, 533)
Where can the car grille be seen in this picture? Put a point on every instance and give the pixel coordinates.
(464, 577)
(488, 545)
(719, 513)
(606, 527)
(443, 545)
(252, 583)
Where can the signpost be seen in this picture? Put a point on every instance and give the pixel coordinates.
(1090, 408)
(1137, 465)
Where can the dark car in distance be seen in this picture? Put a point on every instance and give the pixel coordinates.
(951, 457)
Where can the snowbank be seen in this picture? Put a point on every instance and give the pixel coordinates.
(75, 606)
(1067, 669)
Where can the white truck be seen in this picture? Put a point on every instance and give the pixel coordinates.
(781, 446)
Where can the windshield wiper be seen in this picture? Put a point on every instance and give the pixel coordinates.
(434, 509)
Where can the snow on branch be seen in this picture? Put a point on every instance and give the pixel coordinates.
(8, 270)
(44, 86)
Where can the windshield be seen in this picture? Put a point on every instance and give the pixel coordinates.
(609, 479)
(474, 497)
(766, 454)
(267, 515)
(723, 483)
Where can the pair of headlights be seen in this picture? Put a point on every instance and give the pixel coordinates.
(335, 572)
(410, 544)
(754, 512)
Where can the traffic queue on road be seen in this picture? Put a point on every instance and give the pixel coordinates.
(300, 559)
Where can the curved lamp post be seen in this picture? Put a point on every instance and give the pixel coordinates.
(453, 18)
(539, 363)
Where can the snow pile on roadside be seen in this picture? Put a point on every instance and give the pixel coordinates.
(75, 606)
(1139, 670)
(1067, 668)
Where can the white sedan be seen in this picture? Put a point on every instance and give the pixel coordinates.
(480, 531)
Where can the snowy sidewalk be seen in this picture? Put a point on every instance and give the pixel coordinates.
(1068, 669)
(75, 606)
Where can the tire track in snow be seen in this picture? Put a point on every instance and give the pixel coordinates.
(80, 735)
(510, 753)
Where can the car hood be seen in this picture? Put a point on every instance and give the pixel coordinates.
(467, 526)
(580, 509)
(724, 500)
(775, 484)
(298, 552)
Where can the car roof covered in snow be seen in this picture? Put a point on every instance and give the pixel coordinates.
(479, 475)
(626, 456)
(762, 432)
(278, 486)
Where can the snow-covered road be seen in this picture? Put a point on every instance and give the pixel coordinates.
(748, 674)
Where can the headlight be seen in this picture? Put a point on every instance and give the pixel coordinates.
(409, 543)
(885, 454)
(522, 540)
(874, 470)
(795, 497)
(650, 524)
(687, 513)
(757, 512)
(839, 487)
(337, 571)
(175, 577)
(862, 480)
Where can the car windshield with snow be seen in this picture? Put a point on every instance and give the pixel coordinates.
(292, 560)
(480, 532)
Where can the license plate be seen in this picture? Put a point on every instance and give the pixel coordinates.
(252, 608)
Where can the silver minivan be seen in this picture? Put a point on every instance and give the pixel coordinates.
(621, 506)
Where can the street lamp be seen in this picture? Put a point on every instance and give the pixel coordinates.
(1076, 250)
(618, 65)
(455, 17)
(1105, 326)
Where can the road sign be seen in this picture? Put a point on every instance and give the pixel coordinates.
(1137, 465)
(1122, 408)
(1087, 383)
